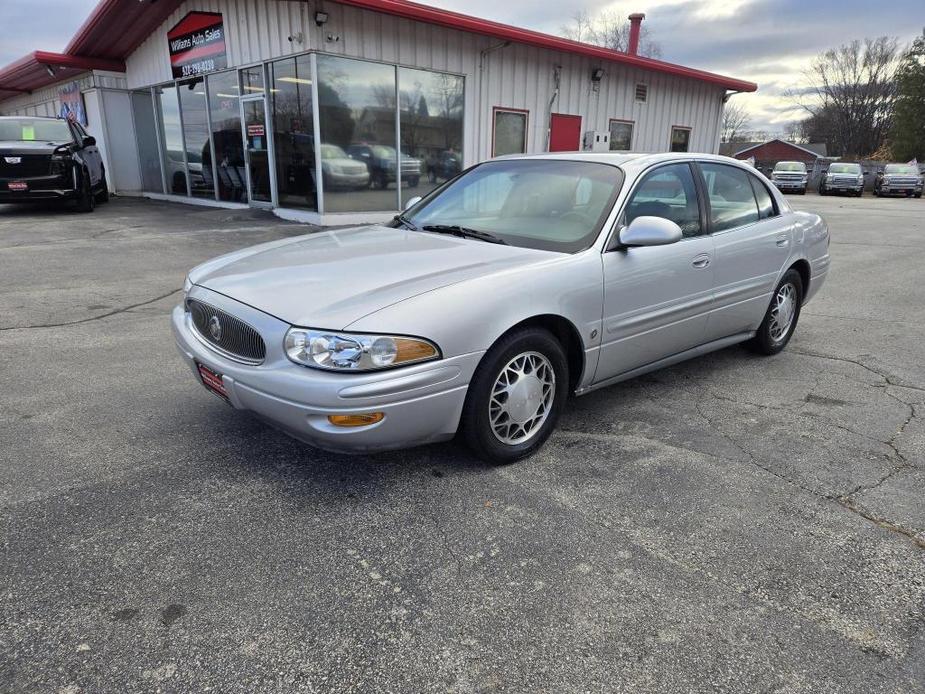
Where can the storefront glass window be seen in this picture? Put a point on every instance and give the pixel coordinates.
(226, 136)
(359, 161)
(294, 141)
(193, 105)
(431, 118)
(252, 80)
(146, 139)
(172, 140)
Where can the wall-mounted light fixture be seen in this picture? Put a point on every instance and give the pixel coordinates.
(321, 18)
(50, 70)
(597, 74)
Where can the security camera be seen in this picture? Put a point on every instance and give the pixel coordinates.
(295, 38)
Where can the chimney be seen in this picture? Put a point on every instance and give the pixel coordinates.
(635, 25)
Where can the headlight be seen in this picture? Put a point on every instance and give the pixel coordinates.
(860, 178)
(335, 351)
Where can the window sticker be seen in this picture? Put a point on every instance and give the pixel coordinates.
(28, 132)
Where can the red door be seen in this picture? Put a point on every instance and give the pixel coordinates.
(564, 133)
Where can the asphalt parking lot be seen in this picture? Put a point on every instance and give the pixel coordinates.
(732, 524)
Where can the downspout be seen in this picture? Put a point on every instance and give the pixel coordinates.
(482, 55)
(557, 78)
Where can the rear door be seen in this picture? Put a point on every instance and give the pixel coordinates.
(657, 298)
(752, 244)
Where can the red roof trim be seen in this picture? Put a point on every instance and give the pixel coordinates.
(454, 20)
(29, 73)
(783, 142)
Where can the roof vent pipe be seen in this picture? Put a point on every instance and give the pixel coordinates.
(635, 26)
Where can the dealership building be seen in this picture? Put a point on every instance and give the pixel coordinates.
(339, 111)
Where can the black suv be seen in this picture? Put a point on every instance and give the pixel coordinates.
(50, 159)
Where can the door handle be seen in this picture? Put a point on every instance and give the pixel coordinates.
(782, 242)
(701, 261)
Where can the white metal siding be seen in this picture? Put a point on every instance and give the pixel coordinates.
(516, 76)
(45, 102)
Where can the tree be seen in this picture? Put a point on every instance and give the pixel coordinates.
(851, 95)
(735, 122)
(608, 30)
(907, 137)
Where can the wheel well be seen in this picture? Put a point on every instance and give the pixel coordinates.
(567, 335)
(802, 267)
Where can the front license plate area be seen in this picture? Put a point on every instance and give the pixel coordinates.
(212, 381)
(18, 186)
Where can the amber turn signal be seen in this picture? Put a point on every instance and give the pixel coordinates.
(356, 420)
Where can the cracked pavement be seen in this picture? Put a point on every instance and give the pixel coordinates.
(730, 524)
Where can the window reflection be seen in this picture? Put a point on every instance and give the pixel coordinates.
(291, 99)
(226, 136)
(196, 137)
(356, 103)
(431, 118)
(172, 137)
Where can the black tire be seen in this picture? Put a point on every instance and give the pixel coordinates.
(86, 200)
(803, 191)
(822, 190)
(102, 196)
(859, 194)
(475, 424)
(918, 195)
(764, 341)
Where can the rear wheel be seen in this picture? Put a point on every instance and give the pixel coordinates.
(516, 396)
(782, 315)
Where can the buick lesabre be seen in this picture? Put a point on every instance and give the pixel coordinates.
(483, 306)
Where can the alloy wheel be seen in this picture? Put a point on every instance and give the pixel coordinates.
(783, 311)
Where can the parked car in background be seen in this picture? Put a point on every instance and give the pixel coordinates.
(340, 171)
(899, 179)
(523, 281)
(842, 177)
(50, 159)
(444, 165)
(790, 176)
(381, 161)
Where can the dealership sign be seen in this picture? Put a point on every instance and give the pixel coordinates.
(197, 44)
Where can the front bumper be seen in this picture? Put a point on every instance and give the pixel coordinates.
(421, 403)
(900, 189)
(789, 185)
(40, 188)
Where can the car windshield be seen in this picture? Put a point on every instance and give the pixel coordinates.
(332, 152)
(900, 169)
(34, 130)
(845, 168)
(546, 204)
(383, 152)
(790, 166)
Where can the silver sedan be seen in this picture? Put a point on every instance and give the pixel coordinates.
(483, 306)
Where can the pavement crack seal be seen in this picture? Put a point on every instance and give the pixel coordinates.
(124, 309)
(889, 380)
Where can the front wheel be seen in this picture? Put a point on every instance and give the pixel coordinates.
(103, 195)
(86, 200)
(782, 315)
(516, 396)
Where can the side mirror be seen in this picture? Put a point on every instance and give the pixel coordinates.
(89, 141)
(412, 202)
(650, 231)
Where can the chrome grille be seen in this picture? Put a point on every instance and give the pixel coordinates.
(226, 334)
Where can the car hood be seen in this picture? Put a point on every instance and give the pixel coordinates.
(332, 279)
(14, 147)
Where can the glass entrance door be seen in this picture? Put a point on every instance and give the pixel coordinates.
(260, 184)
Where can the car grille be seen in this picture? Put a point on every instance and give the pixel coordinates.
(910, 181)
(230, 336)
(28, 166)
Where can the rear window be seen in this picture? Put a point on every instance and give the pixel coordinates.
(34, 130)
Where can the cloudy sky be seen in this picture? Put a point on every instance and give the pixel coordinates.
(766, 41)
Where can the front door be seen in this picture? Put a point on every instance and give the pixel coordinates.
(564, 133)
(657, 299)
(257, 151)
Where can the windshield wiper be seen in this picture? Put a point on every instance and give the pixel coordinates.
(464, 232)
(407, 223)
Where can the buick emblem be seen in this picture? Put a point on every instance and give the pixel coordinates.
(12, 160)
(215, 328)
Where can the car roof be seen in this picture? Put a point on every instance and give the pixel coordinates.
(634, 160)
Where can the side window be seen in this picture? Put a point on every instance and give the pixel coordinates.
(510, 132)
(765, 201)
(732, 200)
(668, 192)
